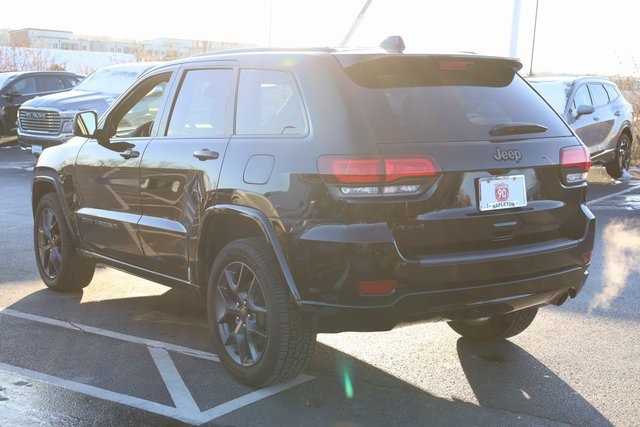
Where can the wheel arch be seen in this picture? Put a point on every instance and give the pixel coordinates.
(626, 130)
(223, 224)
(44, 182)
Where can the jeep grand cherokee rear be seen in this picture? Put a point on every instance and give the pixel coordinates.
(325, 190)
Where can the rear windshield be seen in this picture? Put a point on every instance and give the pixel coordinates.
(429, 99)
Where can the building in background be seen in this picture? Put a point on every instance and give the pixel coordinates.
(155, 49)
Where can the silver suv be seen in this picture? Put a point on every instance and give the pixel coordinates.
(48, 120)
(597, 112)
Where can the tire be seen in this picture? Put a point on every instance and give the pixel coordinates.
(617, 166)
(259, 335)
(60, 265)
(495, 327)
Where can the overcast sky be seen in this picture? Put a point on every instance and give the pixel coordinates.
(573, 36)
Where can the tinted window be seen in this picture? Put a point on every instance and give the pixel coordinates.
(612, 92)
(268, 104)
(425, 100)
(138, 112)
(25, 86)
(599, 95)
(72, 81)
(581, 97)
(200, 109)
(53, 83)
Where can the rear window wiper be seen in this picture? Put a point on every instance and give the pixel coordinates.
(516, 129)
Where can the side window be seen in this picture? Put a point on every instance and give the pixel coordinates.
(269, 104)
(598, 94)
(137, 113)
(53, 83)
(581, 97)
(200, 109)
(25, 86)
(612, 92)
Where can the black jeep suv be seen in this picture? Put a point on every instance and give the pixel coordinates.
(324, 190)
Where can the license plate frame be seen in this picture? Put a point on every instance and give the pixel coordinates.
(36, 149)
(502, 192)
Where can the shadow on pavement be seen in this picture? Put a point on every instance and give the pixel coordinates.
(504, 376)
(510, 385)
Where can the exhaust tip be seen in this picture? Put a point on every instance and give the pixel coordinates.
(561, 299)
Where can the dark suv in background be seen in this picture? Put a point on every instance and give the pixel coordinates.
(597, 112)
(324, 190)
(48, 120)
(17, 87)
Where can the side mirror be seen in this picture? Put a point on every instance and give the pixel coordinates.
(85, 124)
(584, 110)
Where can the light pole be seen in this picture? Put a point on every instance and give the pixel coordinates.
(533, 43)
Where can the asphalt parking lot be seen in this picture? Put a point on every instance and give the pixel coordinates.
(129, 352)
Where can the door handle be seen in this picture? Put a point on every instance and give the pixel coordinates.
(595, 119)
(617, 113)
(205, 154)
(129, 154)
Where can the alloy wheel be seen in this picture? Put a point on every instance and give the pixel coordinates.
(624, 153)
(49, 243)
(241, 313)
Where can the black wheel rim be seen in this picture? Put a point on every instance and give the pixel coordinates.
(49, 243)
(624, 153)
(241, 313)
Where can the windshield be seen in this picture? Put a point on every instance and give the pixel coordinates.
(555, 92)
(422, 99)
(110, 80)
(4, 77)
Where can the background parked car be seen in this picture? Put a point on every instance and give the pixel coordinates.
(17, 87)
(596, 110)
(48, 120)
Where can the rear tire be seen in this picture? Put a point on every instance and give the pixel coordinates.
(259, 335)
(617, 166)
(495, 327)
(60, 265)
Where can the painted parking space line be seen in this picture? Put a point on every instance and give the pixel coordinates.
(182, 398)
(186, 409)
(611, 196)
(111, 334)
(99, 393)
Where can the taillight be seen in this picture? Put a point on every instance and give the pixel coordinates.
(575, 163)
(352, 170)
(455, 65)
(376, 175)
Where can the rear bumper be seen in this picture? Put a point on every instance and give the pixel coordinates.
(463, 285)
(464, 303)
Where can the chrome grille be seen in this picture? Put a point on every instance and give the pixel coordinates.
(40, 121)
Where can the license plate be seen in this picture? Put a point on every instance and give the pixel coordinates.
(36, 149)
(502, 192)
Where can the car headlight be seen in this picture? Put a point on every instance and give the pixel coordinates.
(67, 121)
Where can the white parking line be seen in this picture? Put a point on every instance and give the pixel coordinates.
(176, 387)
(610, 196)
(186, 409)
(111, 334)
(124, 399)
